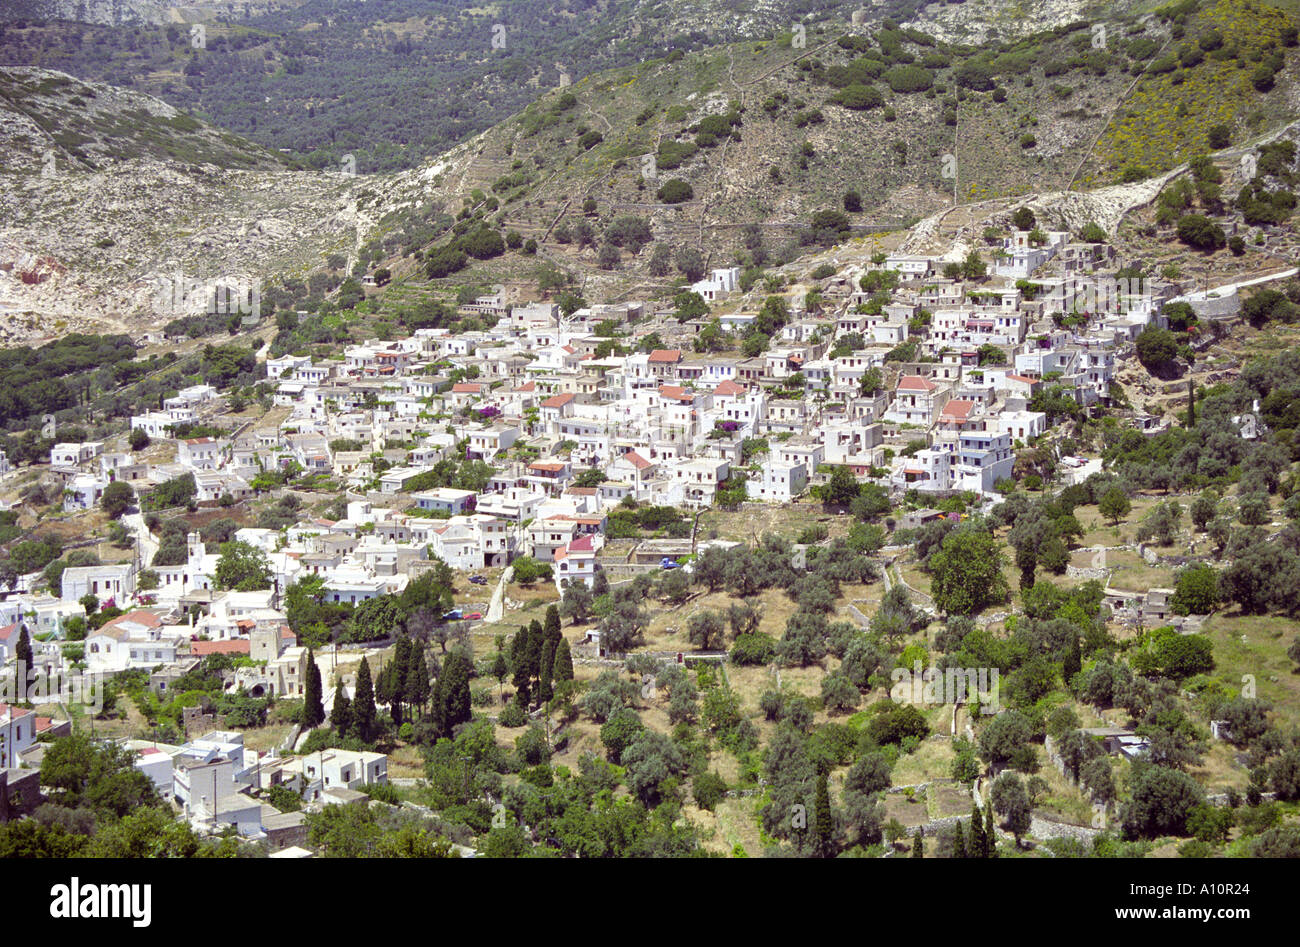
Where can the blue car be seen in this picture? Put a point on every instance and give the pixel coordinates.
(668, 563)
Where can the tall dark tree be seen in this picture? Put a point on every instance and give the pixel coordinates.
(918, 845)
(363, 707)
(990, 834)
(1073, 662)
(341, 712)
(825, 819)
(313, 707)
(500, 668)
(552, 625)
(544, 690)
(454, 692)
(519, 649)
(562, 669)
(415, 686)
(958, 841)
(976, 832)
(23, 650)
(536, 640)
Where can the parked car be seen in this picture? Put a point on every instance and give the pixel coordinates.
(669, 563)
(453, 615)
(478, 580)
(474, 616)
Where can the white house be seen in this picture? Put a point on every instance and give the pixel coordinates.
(779, 483)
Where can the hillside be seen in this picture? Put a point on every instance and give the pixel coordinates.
(103, 191)
(634, 177)
(767, 134)
(417, 77)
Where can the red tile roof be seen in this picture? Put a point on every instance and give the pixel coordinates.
(729, 387)
(666, 356)
(558, 401)
(137, 617)
(916, 383)
(636, 460)
(957, 410)
(233, 646)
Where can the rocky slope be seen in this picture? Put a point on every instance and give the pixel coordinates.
(105, 192)
(136, 12)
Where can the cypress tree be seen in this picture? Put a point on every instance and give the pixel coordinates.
(363, 708)
(825, 825)
(384, 684)
(1073, 662)
(313, 708)
(990, 836)
(976, 832)
(455, 691)
(500, 670)
(918, 845)
(958, 842)
(1191, 404)
(519, 662)
(415, 685)
(536, 636)
(552, 625)
(23, 650)
(544, 691)
(563, 667)
(341, 712)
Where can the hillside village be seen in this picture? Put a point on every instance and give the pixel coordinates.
(924, 376)
(666, 432)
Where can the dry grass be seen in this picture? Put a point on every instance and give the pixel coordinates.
(753, 520)
(1254, 647)
(932, 760)
(910, 811)
(735, 822)
(944, 801)
(1130, 572)
(1062, 799)
(266, 738)
(406, 761)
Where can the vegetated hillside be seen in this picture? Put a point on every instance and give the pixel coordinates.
(639, 176)
(86, 125)
(104, 191)
(133, 12)
(1224, 73)
(397, 81)
(692, 153)
(389, 83)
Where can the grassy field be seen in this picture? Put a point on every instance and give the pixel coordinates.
(1252, 649)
